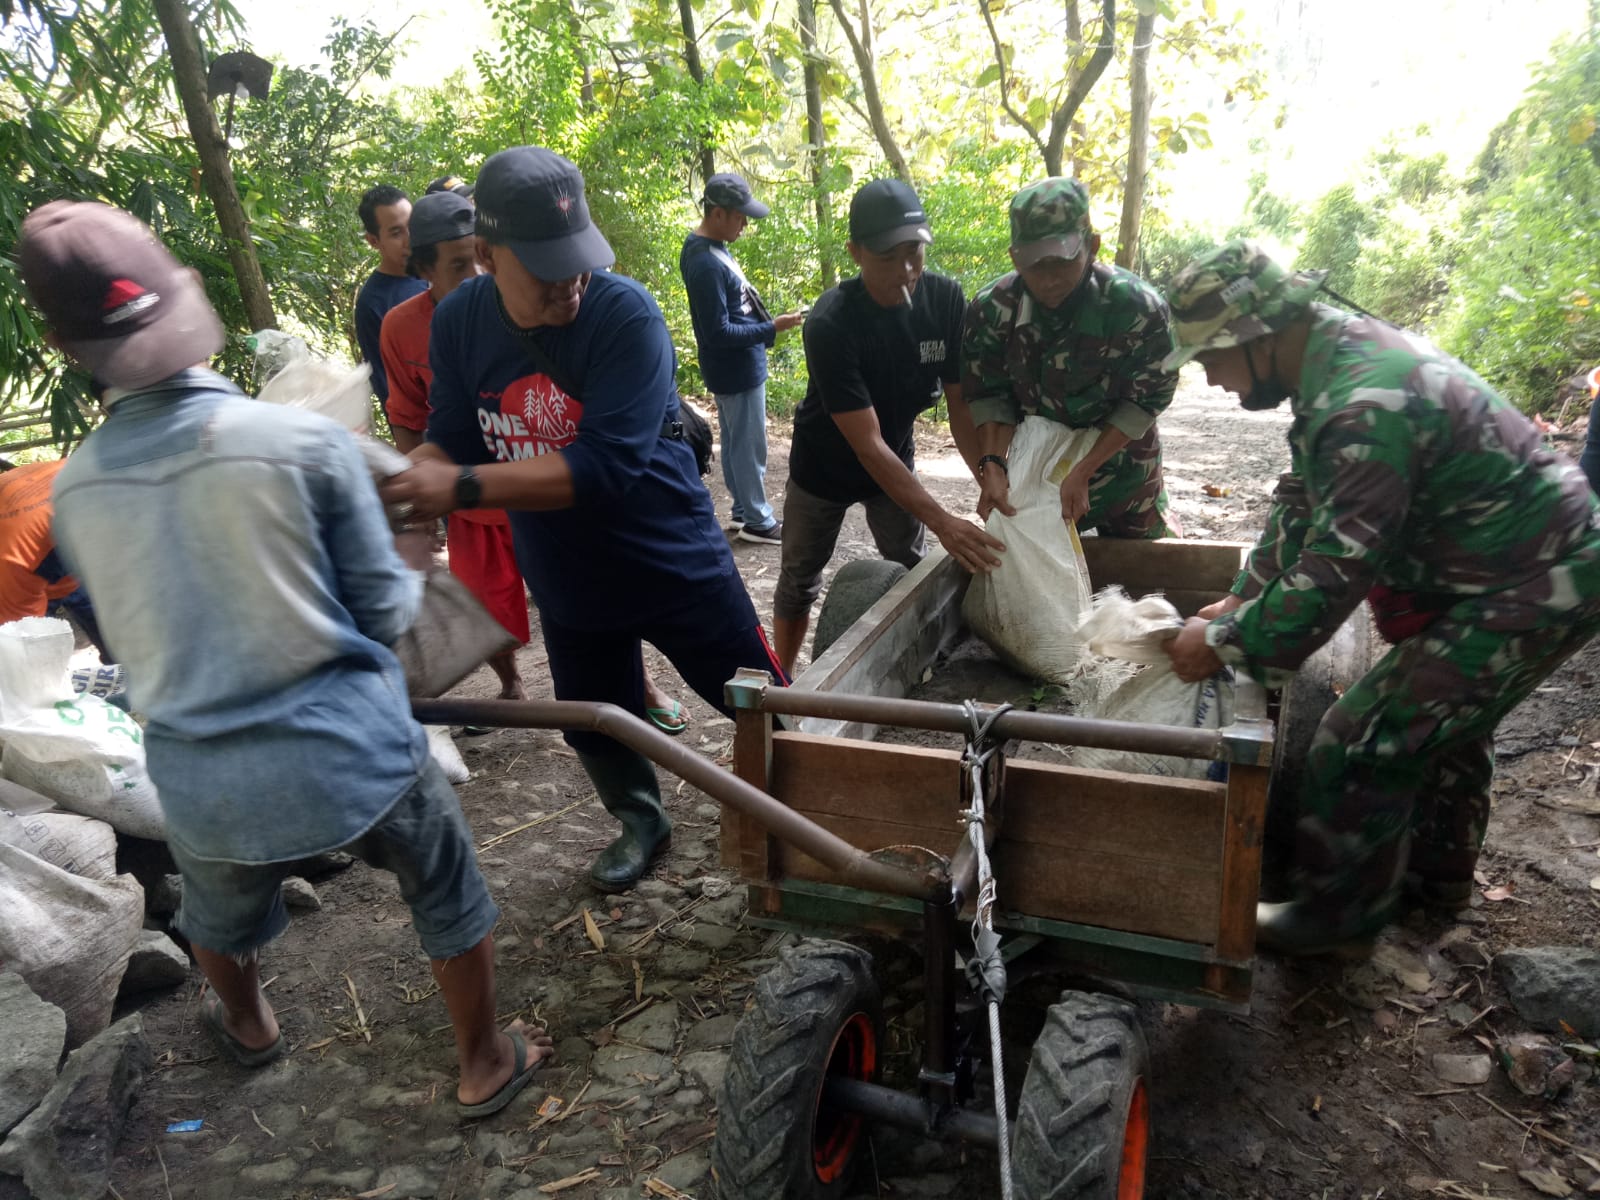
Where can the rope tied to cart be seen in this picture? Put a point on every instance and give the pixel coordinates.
(986, 970)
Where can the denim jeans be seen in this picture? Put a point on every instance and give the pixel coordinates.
(743, 418)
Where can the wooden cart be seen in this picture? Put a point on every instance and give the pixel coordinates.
(1123, 883)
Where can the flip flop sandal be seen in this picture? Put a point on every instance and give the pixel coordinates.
(664, 718)
(521, 1073)
(211, 1015)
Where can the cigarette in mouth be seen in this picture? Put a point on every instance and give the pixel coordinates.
(904, 291)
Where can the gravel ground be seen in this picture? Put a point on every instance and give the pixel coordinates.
(1326, 1090)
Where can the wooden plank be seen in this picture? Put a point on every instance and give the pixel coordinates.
(908, 785)
(886, 651)
(746, 846)
(1141, 566)
(1128, 852)
(1137, 895)
(1109, 812)
(1241, 861)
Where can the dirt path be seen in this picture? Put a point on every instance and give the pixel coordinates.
(1325, 1090)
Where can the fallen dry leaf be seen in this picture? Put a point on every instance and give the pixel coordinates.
(589, 927)
(1214, 490)
(1547, 1182)
(1500, 892)
(571, 1181)
(660, 1187)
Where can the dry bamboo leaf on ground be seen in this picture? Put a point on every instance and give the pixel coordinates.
(596, 938)
(588, 1175)
(1546, 1182)
(666, 1191)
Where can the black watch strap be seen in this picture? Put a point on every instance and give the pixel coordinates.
(469, 489)
(997, 461)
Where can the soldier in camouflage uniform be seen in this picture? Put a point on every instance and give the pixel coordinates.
(1410, 479)
(1068, 339)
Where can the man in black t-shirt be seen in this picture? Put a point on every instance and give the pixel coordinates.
(880, 348)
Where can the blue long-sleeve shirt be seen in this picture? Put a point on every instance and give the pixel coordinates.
(242, 567)
(641, 529)
(731, 327)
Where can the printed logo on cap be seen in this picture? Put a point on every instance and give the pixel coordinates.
(125, 300)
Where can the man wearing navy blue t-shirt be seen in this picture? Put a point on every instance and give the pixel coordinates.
(385, 216)
(554, 398)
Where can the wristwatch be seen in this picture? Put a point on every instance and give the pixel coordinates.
(997, 461)
(469, 489)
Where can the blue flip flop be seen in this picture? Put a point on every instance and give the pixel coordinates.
(664, 718)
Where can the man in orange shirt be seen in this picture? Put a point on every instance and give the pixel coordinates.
(33, 581)
(479, 539)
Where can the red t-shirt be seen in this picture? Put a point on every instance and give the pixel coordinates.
(403, 342)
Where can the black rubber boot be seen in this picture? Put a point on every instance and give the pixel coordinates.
(1296, 929)
(627, 785)
(1441, 897)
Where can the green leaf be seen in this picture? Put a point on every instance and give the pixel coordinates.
(990, 74)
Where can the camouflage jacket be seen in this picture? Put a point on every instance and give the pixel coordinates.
(1095, 361)
(1406, 470)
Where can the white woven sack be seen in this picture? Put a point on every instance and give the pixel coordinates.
(1126, 630)
(77, 844)
(68, 937)
(85, 754)
(1028, 609)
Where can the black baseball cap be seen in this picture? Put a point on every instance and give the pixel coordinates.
(114, 296)
(440, 217)
(731, 191)
(449, 183)
(885, 213)
(531, 199)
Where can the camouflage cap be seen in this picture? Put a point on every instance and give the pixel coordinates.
(1049, 219)
(1232, 295)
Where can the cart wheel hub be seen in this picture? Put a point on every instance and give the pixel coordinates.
(834, 1135)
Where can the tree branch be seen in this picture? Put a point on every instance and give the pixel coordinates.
(1005, 82)
(1063, 116)
(862, 49)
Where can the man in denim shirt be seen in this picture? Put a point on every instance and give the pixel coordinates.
(251, 586)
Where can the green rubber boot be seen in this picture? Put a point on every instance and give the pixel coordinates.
(626, 781)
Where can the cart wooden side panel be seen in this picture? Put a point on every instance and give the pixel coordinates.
(1131, 852)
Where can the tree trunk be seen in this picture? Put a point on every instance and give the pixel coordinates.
(861, 47)
(817, 137)
(586, 79)
(1078, 89)
(1138, 139)
(189, 72)
(697, 72)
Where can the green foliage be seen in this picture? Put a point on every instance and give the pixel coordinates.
(1527, 281)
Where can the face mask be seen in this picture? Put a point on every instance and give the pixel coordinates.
(1264, 393)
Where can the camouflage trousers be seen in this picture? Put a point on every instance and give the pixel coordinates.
(1128, 494)
(1398, 775)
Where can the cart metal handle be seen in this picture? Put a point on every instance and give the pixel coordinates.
(1247, 741)
(856, 867)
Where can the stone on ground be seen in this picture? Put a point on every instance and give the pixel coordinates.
(35, 1034)
(297, 893)
(64, 1148)
(156, 962)
(1552, 984)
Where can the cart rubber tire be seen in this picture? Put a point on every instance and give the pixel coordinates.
(1083, 1122)
(1320, 681)
(856, 587)
(818, 1011)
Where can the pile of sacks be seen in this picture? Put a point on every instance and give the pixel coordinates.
(74, 777)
